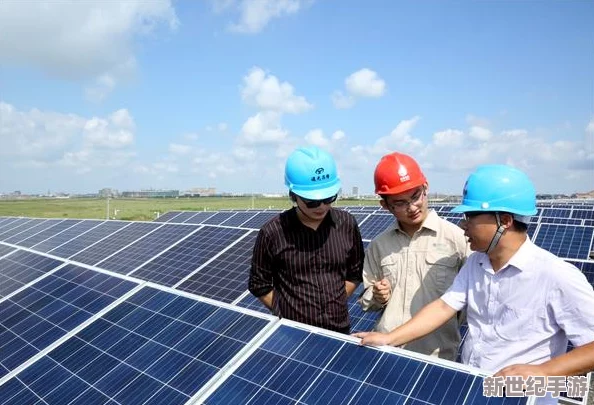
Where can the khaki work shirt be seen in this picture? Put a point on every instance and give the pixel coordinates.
(420, 270)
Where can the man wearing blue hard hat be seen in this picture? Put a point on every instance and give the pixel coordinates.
(523, 303)
(308, 260)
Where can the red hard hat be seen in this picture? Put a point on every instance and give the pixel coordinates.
(396, 173)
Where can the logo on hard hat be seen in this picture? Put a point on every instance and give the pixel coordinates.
(319, 170)
(403, 173)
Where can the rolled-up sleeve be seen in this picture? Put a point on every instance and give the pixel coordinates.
(261, 278)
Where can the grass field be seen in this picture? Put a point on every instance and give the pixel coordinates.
(140, 209)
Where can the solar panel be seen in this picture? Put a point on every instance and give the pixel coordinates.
(48, 233)
(259, 219)
(181, 260)
(168, 216)
(375, 224)
(588, 222)
(218, 218)
(561, 220)
(8, 223)
(114, 242)
(4, 250)
(183, 217)
(85, 240)
(65, 236)
(250, 302)
(20, 268)
(146, 248)
(587, 268)
(556, 213)
(565, 241)
(361, 321)
(199, 217)
(154, 348)
(239, 218)
(359, 217)
(19, 227)
(41, 226)
(47, 310)
(225, 278)
(582, 214)
(298, 366)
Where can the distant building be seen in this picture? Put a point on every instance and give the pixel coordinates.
(355, 192)
(151, 194)
(108, 192)
(201, 192)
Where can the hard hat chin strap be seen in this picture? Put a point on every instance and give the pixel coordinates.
(497, 236)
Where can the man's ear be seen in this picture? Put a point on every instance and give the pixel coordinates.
(507, 220)
(383, 204)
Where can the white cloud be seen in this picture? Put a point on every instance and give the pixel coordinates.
(114, 132)
(263, 128)
(590, 127)
(338, 135)
(179, 149)
(480, 133)
(191, 136)
(449, 137)
(254, 15)
(316, 137)
(365, 83)
(80, 40)
(268, 93)
(473, 120)
(342, 101)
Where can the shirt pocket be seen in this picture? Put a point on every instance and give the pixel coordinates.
(442, 268)
(513, 323)
(391, 267)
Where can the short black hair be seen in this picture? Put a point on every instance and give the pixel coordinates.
(520, 226)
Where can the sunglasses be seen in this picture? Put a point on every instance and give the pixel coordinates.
(472, 214)
(317, 203)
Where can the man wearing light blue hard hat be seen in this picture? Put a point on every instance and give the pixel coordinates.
(523, 303)
(308, 260)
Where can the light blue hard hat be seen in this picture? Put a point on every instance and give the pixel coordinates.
(311, 173)
(499, 188)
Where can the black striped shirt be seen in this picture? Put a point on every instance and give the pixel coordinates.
(307, 268)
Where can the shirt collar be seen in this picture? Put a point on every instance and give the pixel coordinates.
(523, 258)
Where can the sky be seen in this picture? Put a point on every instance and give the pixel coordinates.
(162, 94)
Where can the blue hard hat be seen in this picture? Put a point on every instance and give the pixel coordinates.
(498, 188)
(311, 173)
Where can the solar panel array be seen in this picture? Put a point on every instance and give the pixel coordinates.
(118, 312)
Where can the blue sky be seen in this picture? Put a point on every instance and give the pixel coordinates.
(216, 93)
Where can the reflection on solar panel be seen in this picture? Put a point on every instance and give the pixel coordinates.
(146, 248)
(40, 314)
(48, 233)
(88, 238)
(108, 246)
(21, 268)
(65, 236)
(565, 241)
(181, 260)
(225, 278)
(298, 366)
(375, 224)
(154, 348)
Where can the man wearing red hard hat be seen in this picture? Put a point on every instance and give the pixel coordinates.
(414, 261)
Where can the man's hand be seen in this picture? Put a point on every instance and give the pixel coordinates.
(524, 370)
(373, 338)
(382, 291)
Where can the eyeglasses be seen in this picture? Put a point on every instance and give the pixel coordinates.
(401, 205)
(317, 203)
(469, 215)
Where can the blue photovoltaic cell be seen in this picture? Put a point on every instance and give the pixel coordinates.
(65, 235)
(531, 229)
(8, 223)
(182, 217)
(198, 217)
(296, 366)
(5, 250)
(361, 321)
(15, 239)
(88, 238)
(21, 268)
(156, 348)
(225, 278)
(40, 314)
(375, 224)
(251, 302)
(182, 259)
(565, 241)
(259, 219)
(588, 222)
(48, 233)
(20, 227)
(560, 220)
(108, 246)
(168, 216)
(587, 268)
(556, 213)
(218, 218)
(139, 252)
(239, 218)
(359, 217)
(583, 214)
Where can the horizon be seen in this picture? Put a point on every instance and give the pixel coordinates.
(178, 95)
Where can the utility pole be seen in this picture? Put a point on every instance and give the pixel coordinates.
(107, 212)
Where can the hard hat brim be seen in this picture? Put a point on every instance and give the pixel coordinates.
(319, 194)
